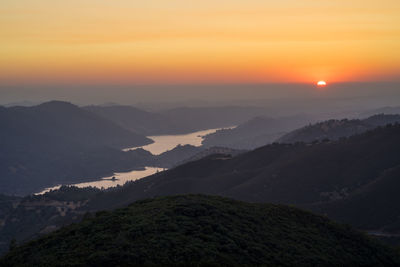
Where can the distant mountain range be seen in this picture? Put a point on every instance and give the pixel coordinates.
(66, 122)
(282, 173)
(177, 120)
(335, 129)
(254, 133)
(353, 180)
(349, 174)
(384, 110)
(261, 131)
(57, 142)
(134, 119)
(196, 230)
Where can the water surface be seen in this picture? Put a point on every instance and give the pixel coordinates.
(161, 144)
(120, 179)
(164, 143)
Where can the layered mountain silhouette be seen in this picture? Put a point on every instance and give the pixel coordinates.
(335, 129)
(254, 133)
(58, 142)
(301, 174)
(176, 121)
(135, 119)
(352, 180)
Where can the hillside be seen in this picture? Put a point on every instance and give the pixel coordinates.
(176, 155)
(286, 173)
(335, 129)
(191, 119)
(256, 132)
(383, 110)
(299, 174)
(59, 142)
(66, 122)
(200, 230)
(177, 120)
(351, 180)
(371, 207)
(135, 119)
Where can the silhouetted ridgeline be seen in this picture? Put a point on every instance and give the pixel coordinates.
(66, 122)
(289, 173)
(340, 178)
(58, 142)
(261, 131)
(335, 129)
(203, 230)
(385, 110)
(135, 119)
(254, 133)
(177, 120)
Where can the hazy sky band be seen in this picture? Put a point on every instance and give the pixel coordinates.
(156, 41)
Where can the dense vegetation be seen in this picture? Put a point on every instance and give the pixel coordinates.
(203, 230)
(29, 217)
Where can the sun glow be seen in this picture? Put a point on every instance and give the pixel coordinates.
(98, 41)
(321, 83)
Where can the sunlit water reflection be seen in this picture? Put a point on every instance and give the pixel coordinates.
(161, 144)
(120, 179)
(164, 143)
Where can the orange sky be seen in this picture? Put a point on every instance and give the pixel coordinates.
(158, 41)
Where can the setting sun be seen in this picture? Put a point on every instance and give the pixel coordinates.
(321, 83)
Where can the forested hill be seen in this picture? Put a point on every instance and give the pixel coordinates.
(203, 230)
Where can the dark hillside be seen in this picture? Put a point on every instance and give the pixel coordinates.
(176, 121)
(256, 132)
(68, 123)
(335, 129)
(282, 173)
(58, 142)
(135, 119)
(372, 207)
(203, 230)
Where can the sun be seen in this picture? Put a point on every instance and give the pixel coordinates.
(321, 84)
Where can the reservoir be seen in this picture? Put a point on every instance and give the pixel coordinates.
(161, 144)
(164, 143)
(120, 179)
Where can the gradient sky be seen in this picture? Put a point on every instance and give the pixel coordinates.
(220, 41)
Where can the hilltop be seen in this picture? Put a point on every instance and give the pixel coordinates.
(202, 230)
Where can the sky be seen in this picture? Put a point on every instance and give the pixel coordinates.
(129, 42)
